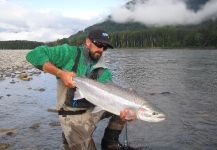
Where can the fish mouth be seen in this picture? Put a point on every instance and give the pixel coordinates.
(161, 117)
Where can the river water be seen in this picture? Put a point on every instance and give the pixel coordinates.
(182, 83)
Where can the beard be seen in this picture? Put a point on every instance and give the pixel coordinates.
(95, 55)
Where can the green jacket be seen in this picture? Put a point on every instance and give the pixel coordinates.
(63, 57)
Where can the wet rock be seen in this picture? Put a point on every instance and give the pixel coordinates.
(54, 124)
(12, 81)
(8, 95)
(26, 96)
(4, 146)
(1, 97)
(37, 72)
(23, 75)
(152, 93)
(40, 89)
(34, 126)
(29, 88)
(17, 72)
(52, 110)
(26, 79)
(165, 93)
(10, 133)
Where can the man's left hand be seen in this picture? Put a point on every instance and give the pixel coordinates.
(128, 115)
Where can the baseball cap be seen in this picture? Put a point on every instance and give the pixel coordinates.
(100, 36)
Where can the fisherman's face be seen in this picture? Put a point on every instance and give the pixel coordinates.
(96, 50)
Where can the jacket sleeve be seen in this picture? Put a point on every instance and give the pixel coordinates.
(105, 76)
(57, 55)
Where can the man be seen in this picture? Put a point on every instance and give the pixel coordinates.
(77, 121)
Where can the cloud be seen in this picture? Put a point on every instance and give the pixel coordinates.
(161, 13)
(21, 23)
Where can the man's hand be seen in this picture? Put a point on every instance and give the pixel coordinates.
(67, 78)
(128, 115)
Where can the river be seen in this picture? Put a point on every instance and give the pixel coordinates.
(182, 83)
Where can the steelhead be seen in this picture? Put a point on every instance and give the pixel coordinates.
(114, 99)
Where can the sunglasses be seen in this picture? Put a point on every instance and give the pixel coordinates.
(100, 45)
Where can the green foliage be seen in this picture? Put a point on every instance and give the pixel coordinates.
(111, 26)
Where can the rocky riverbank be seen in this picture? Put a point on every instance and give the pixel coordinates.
(13, 64)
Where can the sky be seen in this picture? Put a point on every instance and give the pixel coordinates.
(49, 20)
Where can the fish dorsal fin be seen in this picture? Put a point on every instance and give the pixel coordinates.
(97, 109)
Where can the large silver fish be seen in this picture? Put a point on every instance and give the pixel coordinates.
(114, 99)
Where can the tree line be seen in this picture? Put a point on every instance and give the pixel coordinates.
(156, 37)
(166, 37)
(19, 44)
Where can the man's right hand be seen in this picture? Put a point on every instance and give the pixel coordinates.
(67, 78)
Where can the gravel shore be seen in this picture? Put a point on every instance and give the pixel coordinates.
(13, 64)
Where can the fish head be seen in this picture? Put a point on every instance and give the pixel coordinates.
(150, 115)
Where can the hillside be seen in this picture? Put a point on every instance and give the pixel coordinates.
(137, 35)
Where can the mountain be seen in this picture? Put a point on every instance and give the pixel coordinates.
(111, 26)
(196, 4)
(191, 4)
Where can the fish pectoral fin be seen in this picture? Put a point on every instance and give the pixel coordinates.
(81, 94)
(97, 109)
